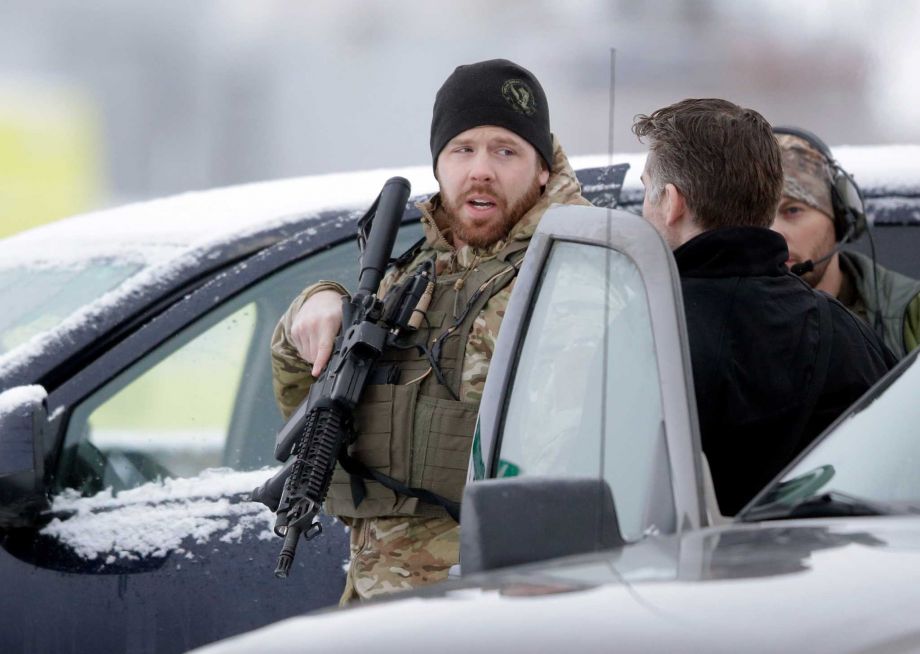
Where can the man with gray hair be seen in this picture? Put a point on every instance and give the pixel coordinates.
(820, 210)
(774, 362)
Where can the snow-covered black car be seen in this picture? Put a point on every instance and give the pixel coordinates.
(136, 411)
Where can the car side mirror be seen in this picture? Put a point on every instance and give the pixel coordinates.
(518, 520)
(23, 415)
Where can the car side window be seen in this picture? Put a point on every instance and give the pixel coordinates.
(201, 399)
(585, 397)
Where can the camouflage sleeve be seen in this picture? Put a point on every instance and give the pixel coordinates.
(481, 345)
(291, 378)
(912, 325)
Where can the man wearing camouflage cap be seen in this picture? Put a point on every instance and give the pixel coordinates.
(498, 168)
(821, 210)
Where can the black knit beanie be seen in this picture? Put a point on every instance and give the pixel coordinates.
(495, 92)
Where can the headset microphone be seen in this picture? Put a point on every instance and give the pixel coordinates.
(809, 265)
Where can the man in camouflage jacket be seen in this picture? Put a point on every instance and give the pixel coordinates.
(499, 168)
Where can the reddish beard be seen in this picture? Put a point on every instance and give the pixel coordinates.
(481, 236)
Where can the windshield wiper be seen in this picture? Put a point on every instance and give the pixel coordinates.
(825, 505)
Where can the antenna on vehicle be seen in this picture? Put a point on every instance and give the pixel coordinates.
(607, 275)
(610, 118)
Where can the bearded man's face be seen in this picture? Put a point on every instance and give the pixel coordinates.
(489, 177)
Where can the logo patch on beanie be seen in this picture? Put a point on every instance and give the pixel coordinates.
(519, 96)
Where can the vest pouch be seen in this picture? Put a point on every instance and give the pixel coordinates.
(384, 427)
(413, 431)
(443, 438)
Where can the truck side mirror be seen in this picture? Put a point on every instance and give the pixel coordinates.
(23, 415)
(518, 520)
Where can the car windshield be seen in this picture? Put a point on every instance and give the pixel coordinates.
(36, 298)
(868, 462)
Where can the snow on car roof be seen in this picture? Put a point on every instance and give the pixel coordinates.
(150, 231)
(157, 228)
(880, 169)
(12, 398)
(171, 235)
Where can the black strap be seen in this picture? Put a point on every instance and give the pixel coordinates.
(513, 259)
(434, 360)
(403, 259)
(513, 252)
(359, 472)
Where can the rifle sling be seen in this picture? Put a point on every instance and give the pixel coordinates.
(406, 257)
(358, 472)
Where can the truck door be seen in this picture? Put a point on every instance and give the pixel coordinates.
(591, 374)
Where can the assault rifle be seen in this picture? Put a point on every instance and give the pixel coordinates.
(321, 427)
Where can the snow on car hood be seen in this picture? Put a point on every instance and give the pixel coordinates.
(153, 520)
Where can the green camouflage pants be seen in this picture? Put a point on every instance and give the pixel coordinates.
(389, 555)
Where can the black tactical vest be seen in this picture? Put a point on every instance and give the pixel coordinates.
(415, 430)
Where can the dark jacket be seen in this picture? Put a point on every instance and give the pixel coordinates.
(755, 332)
